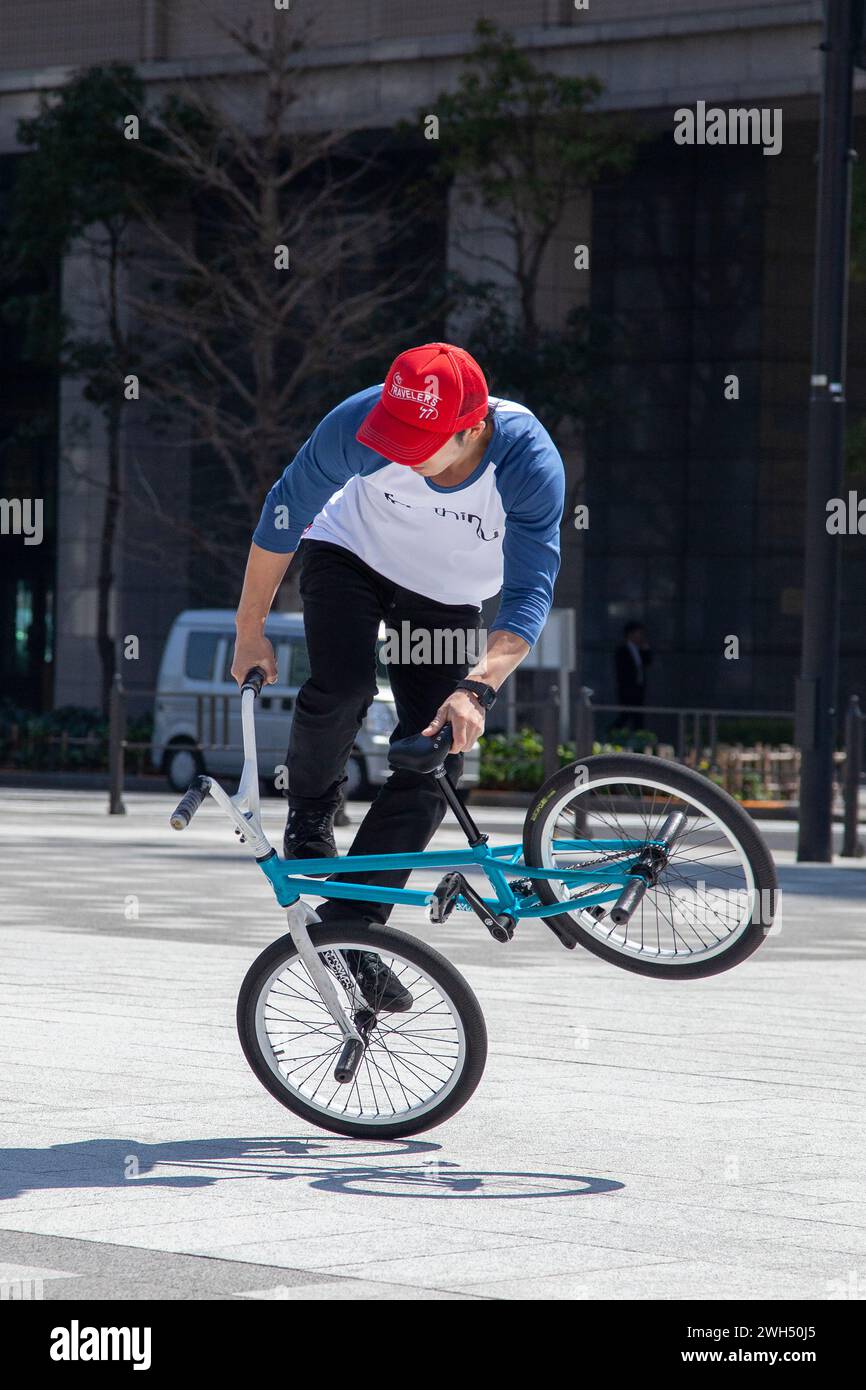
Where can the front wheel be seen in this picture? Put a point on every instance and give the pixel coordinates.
(419, 1066)
(714, 899)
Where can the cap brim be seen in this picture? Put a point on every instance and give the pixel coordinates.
(398, 441)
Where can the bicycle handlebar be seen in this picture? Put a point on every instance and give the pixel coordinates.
(189, 803)
(254, 680)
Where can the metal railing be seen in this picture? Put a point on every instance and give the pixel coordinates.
(696, 732)
(691, 725)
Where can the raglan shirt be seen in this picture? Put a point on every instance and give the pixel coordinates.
(499, 529)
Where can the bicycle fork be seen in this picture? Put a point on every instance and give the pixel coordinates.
(352, 1051)
(243, 811)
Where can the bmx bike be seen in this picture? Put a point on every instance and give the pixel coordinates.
(645, 863)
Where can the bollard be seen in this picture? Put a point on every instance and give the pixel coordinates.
(550, 732)
(116, 745)
(584, 737)
(584, 720)
(852, 847)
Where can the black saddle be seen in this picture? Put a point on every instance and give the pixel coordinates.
(419, 753)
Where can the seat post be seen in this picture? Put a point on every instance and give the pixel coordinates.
(464, 820)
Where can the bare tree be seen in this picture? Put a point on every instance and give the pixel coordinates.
(288, 284)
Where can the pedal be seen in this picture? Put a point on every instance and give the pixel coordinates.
(523, 887)
(444, 898)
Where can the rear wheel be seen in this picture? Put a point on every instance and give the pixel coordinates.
(419, 1067)
(713, 902)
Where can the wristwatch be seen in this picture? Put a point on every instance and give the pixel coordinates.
(485, 694)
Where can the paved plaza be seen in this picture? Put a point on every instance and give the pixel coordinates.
(631, 1138)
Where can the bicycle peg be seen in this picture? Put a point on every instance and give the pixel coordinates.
(645, 872)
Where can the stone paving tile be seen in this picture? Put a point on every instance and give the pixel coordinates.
(631, 1137)
(368, 1290)
(519, 1259)
(96, 1270)
(656, 1281)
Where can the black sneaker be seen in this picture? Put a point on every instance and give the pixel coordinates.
(380, 986)
(310, 835)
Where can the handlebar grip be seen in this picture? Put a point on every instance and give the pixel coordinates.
(254, 680)
(189, 803)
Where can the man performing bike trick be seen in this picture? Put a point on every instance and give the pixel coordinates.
(411, 503)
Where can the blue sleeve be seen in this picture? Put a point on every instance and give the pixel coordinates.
(532, 487)
(322, 465)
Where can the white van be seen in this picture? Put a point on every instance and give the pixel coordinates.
(197, 713)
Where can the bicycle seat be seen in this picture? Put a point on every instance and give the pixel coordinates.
(419, 753)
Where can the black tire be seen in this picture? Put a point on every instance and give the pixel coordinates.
(388, 942)
(717, 803)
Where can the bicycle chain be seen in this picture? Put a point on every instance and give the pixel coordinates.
(608, 858)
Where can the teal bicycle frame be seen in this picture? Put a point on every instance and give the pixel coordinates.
(290, 878)
(287, 876)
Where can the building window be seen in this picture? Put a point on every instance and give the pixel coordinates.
(201, 648)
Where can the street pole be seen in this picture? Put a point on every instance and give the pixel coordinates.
(817, 686)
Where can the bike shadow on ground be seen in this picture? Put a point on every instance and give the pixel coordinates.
(348, 1166)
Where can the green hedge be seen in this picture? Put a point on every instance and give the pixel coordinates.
(750, 731)
(35, 741)
(515, 762)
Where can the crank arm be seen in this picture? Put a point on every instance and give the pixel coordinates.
(499, 924)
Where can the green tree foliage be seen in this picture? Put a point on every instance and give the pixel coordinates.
(524, 142)
(76, 190)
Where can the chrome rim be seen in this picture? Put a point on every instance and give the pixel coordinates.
(412, 1062)
(706, 897)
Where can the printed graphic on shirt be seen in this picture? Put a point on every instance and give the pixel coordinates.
(446, 512)
(461, 545)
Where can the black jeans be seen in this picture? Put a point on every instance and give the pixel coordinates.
(344, 603)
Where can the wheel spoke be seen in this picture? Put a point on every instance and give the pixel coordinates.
(701, 901)
(410, 1061)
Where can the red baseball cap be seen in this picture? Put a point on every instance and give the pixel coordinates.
(430, 393)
